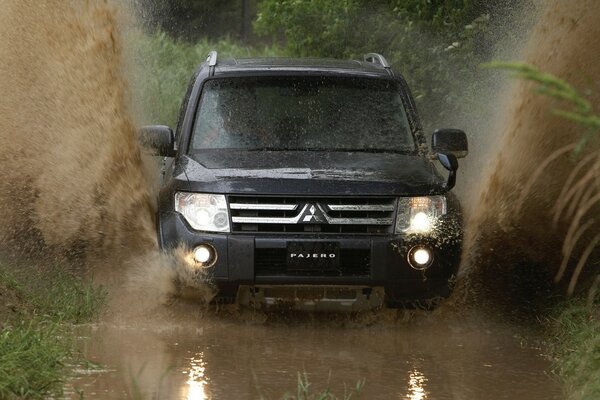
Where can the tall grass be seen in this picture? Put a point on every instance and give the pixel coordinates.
(36, 341)
(577, 337)
(32, 358)
(56, 294)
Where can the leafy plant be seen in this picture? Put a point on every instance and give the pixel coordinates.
(580, 110)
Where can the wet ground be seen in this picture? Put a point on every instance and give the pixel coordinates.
(216, 357)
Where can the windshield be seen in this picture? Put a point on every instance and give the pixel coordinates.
(302, 113)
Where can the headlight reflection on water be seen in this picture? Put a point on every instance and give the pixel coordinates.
(197, 383)
(416, 386)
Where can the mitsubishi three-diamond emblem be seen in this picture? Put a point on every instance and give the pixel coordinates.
(312, 214)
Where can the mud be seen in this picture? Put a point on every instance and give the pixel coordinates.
(514, 238)
(72, 178)
(71, 169)
(219, 358)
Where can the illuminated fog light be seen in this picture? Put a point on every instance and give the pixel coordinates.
(420, 223)
(420, 257)
(205, 254)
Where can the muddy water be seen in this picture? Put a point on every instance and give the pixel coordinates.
(451, 358)
(520, 216)
(71, 170)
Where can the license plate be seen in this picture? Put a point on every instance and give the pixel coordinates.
(313, 256)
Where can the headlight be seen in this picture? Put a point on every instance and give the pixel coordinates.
(419, 214)
(204, 212)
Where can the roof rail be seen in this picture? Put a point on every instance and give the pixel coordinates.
(212, 62)
(212, 58)
(376, 58)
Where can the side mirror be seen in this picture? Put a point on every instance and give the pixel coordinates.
(159, 139)
(449, 162)
(450, 141)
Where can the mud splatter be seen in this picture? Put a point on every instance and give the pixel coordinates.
(513, 246)
(71, 168)
(72, 186)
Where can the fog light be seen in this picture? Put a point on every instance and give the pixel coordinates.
(205, 254)
(420, 257)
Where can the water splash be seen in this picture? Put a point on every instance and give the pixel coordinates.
(512, 244)
(72, 186)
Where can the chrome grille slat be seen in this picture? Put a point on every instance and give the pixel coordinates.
(264, 220)
(312, 215)
(361, 207)
(278, 207)
(360, 221)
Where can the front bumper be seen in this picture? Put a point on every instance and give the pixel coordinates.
(241, 260)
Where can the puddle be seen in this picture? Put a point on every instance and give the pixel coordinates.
(220, 359)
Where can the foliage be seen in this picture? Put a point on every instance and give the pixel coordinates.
(193, 19)
(549, 85)
(164, 67)
(577, 339)
(437, 45)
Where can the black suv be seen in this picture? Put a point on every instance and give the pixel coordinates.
(309, 182)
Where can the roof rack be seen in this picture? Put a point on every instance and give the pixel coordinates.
(212, 62)
(376, 58)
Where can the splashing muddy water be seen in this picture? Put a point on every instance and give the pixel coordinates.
(72, 186)
(513, 238)
(71, 168)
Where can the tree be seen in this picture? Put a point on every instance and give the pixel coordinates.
(195, 19)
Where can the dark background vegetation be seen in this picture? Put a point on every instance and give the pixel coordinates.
(436, 44)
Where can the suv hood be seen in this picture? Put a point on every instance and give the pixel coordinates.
(310, 172)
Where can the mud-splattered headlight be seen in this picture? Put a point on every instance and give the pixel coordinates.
(204, 212)
(419, 214)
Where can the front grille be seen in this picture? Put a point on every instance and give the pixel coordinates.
(273, 262)
(312, 215)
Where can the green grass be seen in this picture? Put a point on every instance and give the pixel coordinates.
(577, 339)
(36, 341)
(56, 294)
(32, 359)
(306, 391)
